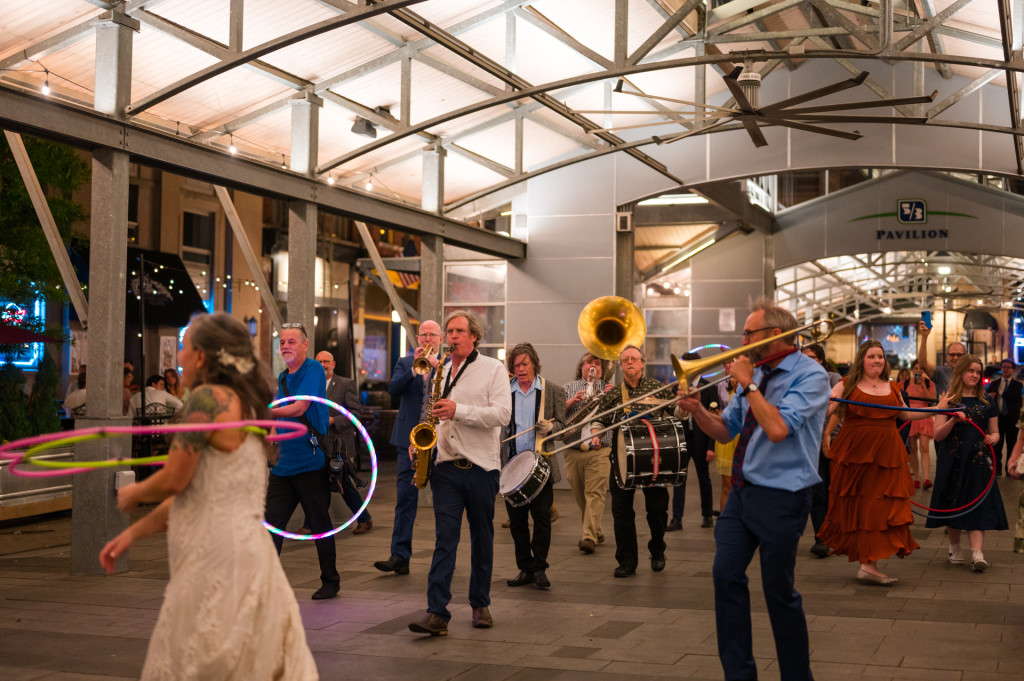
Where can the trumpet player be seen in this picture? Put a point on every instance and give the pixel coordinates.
(408, 382)
(473, 408)
(538, 407)
(588, 465)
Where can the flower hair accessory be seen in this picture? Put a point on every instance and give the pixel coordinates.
(239, 364)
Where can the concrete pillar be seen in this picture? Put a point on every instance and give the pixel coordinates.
(433, 180)
(305, 133)
(432, 278)
(95, 518)
(114, 34)
(302, 263)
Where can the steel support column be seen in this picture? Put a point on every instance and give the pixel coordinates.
(305, 133)
(302, 217)
(433, 179)
(432, 278)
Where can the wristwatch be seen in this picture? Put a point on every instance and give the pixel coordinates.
(751, 388)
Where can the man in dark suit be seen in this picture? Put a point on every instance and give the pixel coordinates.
(409, 387)
(538, 405)
(1006, 393)
(343, 391)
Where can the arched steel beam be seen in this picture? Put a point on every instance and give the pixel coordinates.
(249, 55)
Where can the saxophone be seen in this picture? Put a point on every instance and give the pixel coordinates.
(424, 435)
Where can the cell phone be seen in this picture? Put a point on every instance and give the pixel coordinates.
(926, 317)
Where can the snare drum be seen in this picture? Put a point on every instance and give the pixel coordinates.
(650, 453)
(523, 478)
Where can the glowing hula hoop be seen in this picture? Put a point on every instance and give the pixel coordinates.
(373, 467)
(33, 446)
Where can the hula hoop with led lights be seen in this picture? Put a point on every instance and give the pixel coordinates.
(373, 467)
(945, 512)
(38, 444)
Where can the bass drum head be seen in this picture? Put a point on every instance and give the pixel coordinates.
(620, 462)
(516, 472)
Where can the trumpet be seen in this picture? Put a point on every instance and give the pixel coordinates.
(689, 370)
(421, 366)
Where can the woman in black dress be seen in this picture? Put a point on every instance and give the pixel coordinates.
(964, 465)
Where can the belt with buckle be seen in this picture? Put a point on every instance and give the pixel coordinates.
(464, 464)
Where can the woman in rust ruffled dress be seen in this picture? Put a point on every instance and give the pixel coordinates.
(869, 499)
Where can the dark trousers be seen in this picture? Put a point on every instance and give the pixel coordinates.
(456, 490)
(819, 492)
(350, 495)
(532, 555)
(405, 508)
(700, 464)
(312, 491)
(656, 501)
(771, 520)
(1008, 435)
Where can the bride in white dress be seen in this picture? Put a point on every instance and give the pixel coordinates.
(228, 612)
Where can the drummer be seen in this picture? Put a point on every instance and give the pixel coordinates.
(538, 407)
(635, 384)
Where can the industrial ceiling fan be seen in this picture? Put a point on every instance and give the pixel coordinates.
(745, 87)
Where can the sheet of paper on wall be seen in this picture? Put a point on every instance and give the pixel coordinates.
(727, 319)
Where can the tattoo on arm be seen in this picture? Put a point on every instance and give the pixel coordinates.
(204, 406)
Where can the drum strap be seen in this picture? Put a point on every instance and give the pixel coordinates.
(656, 458)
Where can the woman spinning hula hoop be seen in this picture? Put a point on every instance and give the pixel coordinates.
(228, 610)
(964, 467)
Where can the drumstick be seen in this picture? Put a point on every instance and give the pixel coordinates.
(522, 432)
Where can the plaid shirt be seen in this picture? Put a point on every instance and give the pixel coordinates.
(571, 389)
(613, 398)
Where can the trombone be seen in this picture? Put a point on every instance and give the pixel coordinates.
(685, 370)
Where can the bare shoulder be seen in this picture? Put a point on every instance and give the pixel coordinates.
(209, 403)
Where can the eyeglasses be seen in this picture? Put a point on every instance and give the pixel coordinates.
(748, 334)
(428, 335)
(295, 325)
(955, 354)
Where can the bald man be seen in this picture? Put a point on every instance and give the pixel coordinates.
(342, 391)
(410, 388)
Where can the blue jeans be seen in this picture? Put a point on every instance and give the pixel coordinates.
(456, 490)
(771, 520)
(405, 508)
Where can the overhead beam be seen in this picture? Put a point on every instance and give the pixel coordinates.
(25, 113)
(389, 288)
(730, 198)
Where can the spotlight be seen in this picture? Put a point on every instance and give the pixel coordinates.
(364, 127)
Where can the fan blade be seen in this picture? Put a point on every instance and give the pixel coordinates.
(922, 99)
(737, 91)
(689, 133)
(820, 92)
(754, 130)
(678, 101)
(643, 125)
(819, 129)
(824, 118)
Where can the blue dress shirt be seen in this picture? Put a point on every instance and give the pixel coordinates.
(524, 406)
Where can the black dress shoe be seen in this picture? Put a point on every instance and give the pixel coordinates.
(674, 525)
(624, 571)
(658, 563)
(522, 578)
(707, 522)
(393, 564)
(541, 580)
(819, 549)
(326, 592)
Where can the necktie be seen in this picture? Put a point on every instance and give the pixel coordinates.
(749, 425)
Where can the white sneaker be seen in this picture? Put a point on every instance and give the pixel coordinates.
(978, 562)
(956, 556)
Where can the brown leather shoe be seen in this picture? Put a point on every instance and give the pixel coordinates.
(363, 528)
(587, 545)
(433, 625)
(481, 618)
(507, 524)
(554, 511)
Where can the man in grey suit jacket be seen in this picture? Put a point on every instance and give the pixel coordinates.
(409, 387)
(342, 391)
(540, 405)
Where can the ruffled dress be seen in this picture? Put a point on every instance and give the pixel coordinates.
(229, 612)
(869, 513)
(963, 469)
(925, 391)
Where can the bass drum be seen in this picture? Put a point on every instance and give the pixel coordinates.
(650, 453)
(523, 478)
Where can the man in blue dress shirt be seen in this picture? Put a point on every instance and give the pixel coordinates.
(779, 417)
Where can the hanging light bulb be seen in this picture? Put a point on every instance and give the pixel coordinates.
(284, 163)
(330, 179)
(231, 144)
(369, 185)
(46, 83)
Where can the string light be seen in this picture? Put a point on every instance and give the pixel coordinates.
(46, 82)
(231, 144)
(330, 179)
(369, 185)
(284, 163)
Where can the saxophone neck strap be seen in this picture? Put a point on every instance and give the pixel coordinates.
(450, 383)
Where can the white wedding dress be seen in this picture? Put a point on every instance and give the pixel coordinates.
(228, 612)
